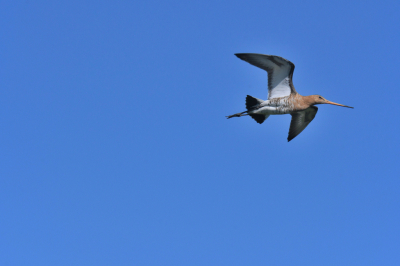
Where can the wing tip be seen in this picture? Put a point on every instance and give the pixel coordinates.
(240, 55)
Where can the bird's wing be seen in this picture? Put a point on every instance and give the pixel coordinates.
(300, 121)
(280, 73)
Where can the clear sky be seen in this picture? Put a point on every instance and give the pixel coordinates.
(115, 149)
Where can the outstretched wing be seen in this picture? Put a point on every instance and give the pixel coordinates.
(300, 121)
(280, 73)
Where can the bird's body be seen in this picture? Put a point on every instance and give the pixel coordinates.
(282, 98)
(280, 106)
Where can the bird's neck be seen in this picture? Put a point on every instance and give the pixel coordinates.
(309, 100)
(303, 102)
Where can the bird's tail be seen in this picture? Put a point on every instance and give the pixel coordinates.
(251, 104)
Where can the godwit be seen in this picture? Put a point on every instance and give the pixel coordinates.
(282, 96)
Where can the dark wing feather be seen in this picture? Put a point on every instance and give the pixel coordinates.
(300, 121)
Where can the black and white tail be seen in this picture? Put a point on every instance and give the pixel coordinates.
(251, 104)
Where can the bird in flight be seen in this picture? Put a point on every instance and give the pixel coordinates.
(282, 96)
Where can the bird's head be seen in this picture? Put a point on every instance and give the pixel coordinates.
(318, 99)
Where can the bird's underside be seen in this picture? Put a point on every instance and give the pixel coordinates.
(282, 96)
(260, 110)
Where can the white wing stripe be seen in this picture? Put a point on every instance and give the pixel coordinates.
(280, 90)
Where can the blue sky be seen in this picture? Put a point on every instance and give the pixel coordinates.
(115, 149)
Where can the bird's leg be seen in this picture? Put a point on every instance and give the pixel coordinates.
(237, 115)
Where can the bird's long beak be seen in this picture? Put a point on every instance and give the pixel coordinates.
(329, 102)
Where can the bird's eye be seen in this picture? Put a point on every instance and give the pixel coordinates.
(320, 97)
